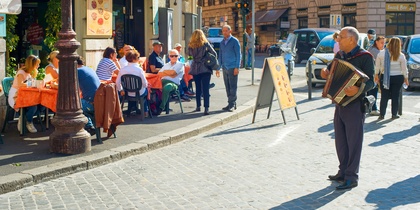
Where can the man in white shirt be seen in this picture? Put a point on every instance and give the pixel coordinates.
(172, 73)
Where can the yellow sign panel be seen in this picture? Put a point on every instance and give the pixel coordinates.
(281, 83)
(400, 7)
(99, 17)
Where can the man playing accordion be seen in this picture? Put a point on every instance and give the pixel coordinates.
(349, 119)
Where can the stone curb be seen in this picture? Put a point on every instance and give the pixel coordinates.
(34, 176)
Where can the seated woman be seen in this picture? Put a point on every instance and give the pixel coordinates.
(51, 71)
(108, 65)
(29, 71)
(133, 68)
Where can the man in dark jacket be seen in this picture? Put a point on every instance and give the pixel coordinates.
(349, 119)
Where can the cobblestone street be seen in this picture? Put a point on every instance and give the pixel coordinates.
(240, 165)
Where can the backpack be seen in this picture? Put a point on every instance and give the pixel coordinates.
(155, 101)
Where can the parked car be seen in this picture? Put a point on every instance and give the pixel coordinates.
(308, 38)
(323, 55)
(401, 37)
(411, 49)
(275, 49)
(215, 36)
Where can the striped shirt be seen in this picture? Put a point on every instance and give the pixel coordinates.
(105, 68)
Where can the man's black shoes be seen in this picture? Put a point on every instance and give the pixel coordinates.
(336, 178)
(348, 184)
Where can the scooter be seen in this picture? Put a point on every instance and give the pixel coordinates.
(288, 51)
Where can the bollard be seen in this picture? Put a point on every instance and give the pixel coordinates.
(310, 78)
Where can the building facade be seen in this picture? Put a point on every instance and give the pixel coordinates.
(105, 23)
(275, 19)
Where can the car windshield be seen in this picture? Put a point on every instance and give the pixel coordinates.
(326, 46)
(215, 32)
(415, 46)
(324, 34)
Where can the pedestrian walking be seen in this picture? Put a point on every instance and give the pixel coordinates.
(250, 46)
(377, 46)
(391, 73)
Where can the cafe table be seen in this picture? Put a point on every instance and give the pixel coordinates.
(31, 96)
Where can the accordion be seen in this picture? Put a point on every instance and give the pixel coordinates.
(342, 75)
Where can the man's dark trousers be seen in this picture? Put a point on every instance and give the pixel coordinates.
(348, 126)
(231, 85)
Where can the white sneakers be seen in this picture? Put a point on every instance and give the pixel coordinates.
(31, 128)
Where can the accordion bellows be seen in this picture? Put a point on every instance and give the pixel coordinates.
(342, 75)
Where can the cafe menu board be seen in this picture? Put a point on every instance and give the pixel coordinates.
(99, 17)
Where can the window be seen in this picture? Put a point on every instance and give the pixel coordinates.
(399, 23)
(211, 2)
(324, 21)
(200, 3)
(303, 22)
(349, 20)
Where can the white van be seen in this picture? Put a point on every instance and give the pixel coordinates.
(215, 36)
(323, 55)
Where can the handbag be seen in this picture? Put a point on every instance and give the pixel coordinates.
(210, 60)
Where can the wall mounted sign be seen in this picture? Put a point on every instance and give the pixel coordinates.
(99, 17)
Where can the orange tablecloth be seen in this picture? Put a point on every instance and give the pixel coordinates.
(33, 96)
(154, 80)
(187, 76)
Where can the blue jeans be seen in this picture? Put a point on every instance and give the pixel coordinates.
(249, 56)
(202, 83)
(88, 108)
(31, 111)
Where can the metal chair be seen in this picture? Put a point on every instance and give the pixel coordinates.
(133, 83)
(176, 92)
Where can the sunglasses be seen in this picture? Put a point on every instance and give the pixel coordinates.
(173, 56)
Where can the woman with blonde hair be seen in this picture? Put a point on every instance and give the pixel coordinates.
(52, 67)
(197, 48)
(28, 72)
(391, 73)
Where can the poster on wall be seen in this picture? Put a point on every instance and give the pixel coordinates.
(2, 25)
(10, 7)
(99, 17)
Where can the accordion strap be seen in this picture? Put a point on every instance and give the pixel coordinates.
(359, 53)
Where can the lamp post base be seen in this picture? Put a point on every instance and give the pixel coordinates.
(69, 136)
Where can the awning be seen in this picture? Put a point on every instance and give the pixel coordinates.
(268, 17)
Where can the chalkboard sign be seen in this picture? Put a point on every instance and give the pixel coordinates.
(275, 79)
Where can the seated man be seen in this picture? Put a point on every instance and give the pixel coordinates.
(172, 73)
(88, 84)
(155, 61)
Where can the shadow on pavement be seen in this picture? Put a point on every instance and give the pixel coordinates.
(396, 136)
(242, 129)
(399, 194)
(314, 200)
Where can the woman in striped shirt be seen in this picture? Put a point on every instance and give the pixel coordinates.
(108, 65)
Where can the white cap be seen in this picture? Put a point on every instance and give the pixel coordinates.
(177, 45)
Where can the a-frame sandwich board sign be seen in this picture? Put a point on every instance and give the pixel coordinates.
(275, 79)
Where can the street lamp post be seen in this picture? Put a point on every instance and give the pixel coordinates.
(69, 136)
